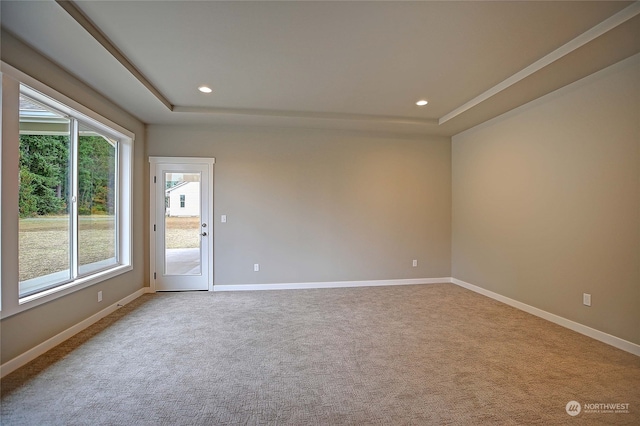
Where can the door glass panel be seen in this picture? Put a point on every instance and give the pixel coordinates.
(182, 224)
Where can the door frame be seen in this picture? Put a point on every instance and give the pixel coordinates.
(153, 162)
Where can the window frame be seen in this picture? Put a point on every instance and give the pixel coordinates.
(11, 303)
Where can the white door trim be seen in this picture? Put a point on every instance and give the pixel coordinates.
(154, 161)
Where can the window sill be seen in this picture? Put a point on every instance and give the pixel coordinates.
(32, 301)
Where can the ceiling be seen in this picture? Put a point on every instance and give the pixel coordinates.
(343, 64)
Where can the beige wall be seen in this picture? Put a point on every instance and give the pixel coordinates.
(546, 202)
(312, 205)
(26, 330)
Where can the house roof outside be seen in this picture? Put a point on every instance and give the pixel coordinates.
(178, 186)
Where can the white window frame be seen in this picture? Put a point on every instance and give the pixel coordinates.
(11, 304)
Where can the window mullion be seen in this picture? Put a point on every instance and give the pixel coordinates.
(73, 211)
(117, 208)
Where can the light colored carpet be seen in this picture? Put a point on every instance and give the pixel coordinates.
(427, 354)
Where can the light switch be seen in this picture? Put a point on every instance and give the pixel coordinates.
(223, 218)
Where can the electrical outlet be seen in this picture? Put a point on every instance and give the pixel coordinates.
(586, 299)
(415, 262)
(256, 267)
(100, 296)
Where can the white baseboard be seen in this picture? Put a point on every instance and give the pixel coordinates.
(328, 284)
(43, 347)
(572, 325)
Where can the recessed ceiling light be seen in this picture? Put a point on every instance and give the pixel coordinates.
(205, 89)
(421, 102)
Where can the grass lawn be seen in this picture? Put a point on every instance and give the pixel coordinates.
(44, 241)
(182, 232)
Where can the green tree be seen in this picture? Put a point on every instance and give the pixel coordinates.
(96, 176)
(27, 199)
(43, 174)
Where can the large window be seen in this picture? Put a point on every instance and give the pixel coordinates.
(74, 193)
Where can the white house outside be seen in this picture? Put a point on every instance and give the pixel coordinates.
(183, 199)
